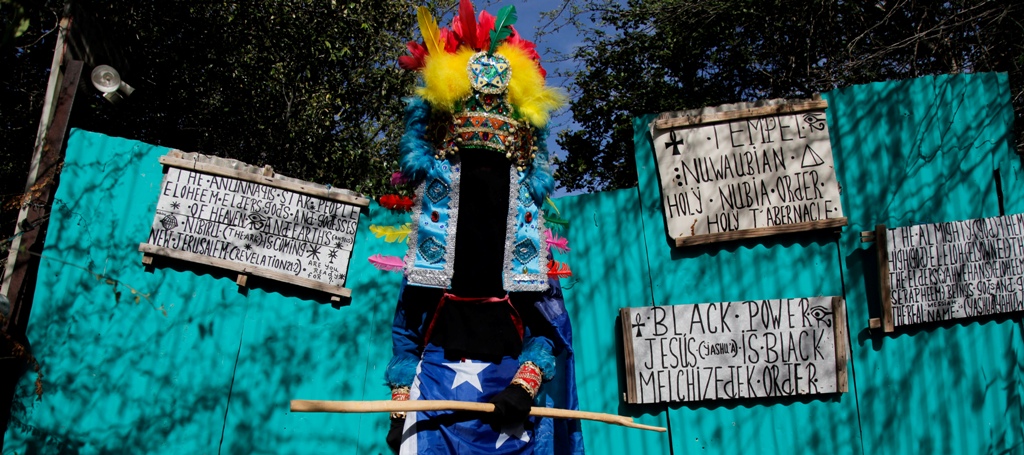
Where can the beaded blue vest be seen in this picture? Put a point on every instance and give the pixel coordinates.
(431, 255)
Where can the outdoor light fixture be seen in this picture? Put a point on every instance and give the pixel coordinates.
(107, 80)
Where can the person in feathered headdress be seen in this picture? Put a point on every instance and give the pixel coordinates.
(478, 318)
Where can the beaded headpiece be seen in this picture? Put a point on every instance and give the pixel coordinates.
(484, 84)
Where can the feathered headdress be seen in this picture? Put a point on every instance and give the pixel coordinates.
(482, 86)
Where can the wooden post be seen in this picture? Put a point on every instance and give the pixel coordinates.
(33, 219)
(11, 285)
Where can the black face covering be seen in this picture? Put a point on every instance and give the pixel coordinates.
(482, 224)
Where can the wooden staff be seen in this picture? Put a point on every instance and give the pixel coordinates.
(451, 405)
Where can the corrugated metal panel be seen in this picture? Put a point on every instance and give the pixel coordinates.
(609, 264)
(217, 371)
(123, 377)
(922, 151)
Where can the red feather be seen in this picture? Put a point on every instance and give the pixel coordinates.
(451, 41)
(465, 24)
(387, 263)
(483, 30)
(558, 269)
(414, 61)
(396, 202)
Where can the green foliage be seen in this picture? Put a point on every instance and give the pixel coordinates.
(13, 21)
(650, 56)
(310, 88)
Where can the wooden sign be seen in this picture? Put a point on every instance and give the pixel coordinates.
(242, 218)
(953, 270)
(733, 350)
(740, 171)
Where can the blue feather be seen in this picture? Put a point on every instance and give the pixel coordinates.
(400, 371)
(538, 351)
(539, 179)
(417, 155)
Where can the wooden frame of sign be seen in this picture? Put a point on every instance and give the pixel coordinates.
(746, 170)
(946, 271)
(230, 215)
(735, 350)
(885, 286)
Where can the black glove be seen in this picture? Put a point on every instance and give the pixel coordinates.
(511, 406)
(394, 438)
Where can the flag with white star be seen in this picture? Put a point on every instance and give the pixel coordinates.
(449, 432)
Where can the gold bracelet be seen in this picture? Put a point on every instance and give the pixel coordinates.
(529, 378)
(525, 386)
(400, 393)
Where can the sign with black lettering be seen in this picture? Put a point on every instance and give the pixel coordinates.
(268, 226)
(739, 171)
(732, 350)
(953, 270)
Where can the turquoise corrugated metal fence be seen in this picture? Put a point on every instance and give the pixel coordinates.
(199, 367)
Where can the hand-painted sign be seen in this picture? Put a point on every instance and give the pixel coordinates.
(732, 350)
(253, 223)
(953, 270)
(739, 171)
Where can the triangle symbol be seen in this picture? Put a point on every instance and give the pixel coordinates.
(811, 158)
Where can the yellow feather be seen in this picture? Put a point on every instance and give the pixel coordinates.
(550, 202)
(428, 27)
(392, 234)
(445, 79)
(526, 90)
